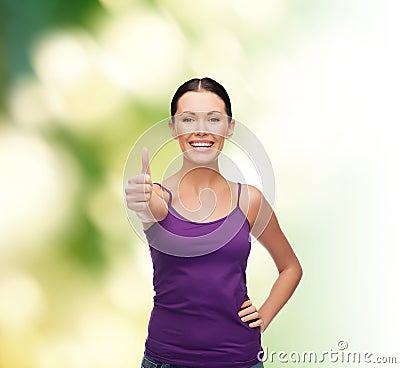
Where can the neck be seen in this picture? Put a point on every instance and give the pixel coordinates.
(199, 177)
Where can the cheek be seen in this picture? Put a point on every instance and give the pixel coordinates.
(182, 141)
(220, 137)
(221, 144)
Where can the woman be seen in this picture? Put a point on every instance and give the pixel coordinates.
(202, 315)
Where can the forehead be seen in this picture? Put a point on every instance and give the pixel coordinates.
(200, 101)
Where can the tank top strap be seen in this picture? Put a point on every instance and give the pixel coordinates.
(239, 190)
(165, 188)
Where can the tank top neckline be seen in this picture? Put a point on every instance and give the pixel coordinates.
(171, 208)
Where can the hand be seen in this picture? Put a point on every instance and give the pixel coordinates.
(139, 189)
(249, 312)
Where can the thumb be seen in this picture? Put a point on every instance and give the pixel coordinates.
(145, 162)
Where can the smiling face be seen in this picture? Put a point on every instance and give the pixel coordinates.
(201, 125)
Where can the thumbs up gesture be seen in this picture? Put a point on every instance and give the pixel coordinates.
(139, 190)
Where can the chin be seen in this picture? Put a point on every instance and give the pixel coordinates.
(201, 158)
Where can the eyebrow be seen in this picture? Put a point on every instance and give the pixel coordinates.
(209, 113)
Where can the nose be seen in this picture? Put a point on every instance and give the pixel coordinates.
(200, 132)
(200, 127)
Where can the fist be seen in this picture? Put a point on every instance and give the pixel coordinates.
(139, 189)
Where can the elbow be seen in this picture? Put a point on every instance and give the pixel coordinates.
(296, 271)
(299, 272)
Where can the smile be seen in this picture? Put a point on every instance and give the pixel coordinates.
(201, 145)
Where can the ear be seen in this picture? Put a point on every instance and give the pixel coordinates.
(171, 126)
(231, 127)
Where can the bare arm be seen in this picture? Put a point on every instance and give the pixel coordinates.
(275, 242)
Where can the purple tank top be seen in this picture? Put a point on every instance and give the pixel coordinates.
(194, 321)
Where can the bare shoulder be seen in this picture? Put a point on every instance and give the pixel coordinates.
(168, 184)
(250, 198)
(253, 204)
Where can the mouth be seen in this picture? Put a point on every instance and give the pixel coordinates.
(201, 145)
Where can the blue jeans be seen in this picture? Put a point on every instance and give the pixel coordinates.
(148, 362)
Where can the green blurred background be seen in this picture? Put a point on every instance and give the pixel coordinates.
(316, 80)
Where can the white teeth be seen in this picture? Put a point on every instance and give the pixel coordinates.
(201, 144)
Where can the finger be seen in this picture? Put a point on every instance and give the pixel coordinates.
(250, 316)
(138, 206)
(247, 303)
(145, 161)
(131, 188)
(138, 197)
(257, 323)
(247, 310)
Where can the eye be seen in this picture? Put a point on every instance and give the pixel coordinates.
(187, 120)
(214, 120)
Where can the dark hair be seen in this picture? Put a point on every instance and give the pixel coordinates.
(203, 84)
